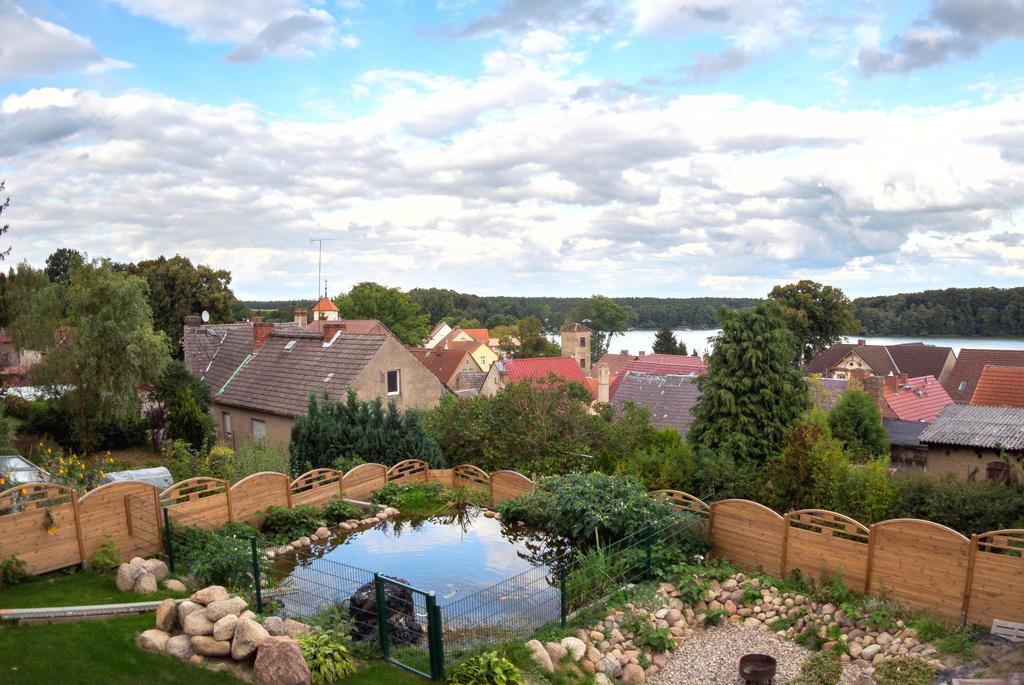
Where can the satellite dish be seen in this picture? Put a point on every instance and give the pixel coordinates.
(206, 316)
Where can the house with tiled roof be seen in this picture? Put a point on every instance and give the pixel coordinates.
(481, 353)
(446, 364)
(908, 399)
(662, 365)
(261, 375)
(976, 442)
(905, 447)
(670, 398)
(437, 335)
(1000, 386)
(537, 369)
(860, 360)
(326, 310)
(970, 363)
(577, 339)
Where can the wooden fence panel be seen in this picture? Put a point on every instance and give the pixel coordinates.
(364, 480)
(920, 564)
(409, 471)
(129, 512)
(445, 477)
(821, 542)
(256, 493)
(683, 501)
(748, 534)
(506, 485)
(468, 476)
(25, 513)
(316, 487)
(995, 591)
(200, 502)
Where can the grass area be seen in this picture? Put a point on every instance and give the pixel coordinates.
(71, 589)
(383, 674)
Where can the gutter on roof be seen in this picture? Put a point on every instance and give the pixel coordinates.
(234, 373)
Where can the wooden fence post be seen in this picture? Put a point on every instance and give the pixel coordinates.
(78, 528)
(128, 516)
(159, 520)
(871, 559)
(341, 482)
(711, 527)
(288, 491)
(227, 492)
(785, 543)
(969, 582)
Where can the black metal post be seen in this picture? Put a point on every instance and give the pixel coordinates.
(256, 575)
(382, 615)
(168, 542)
(563, 608)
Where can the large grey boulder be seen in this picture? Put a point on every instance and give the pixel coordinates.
(207, 646)
(208, 595)
(185, 608)
(224, 628)
(180, 647)
(540, 656)
(153, 640)
(295, 628)
(249, 635)
(218, 610)
(279, 662)
(175, 585)
(145, 584)
(274, 625)
(167, 615)
(197, 624)
(125, 579)
(156, 567)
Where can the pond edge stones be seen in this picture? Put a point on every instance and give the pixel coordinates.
(323, 533)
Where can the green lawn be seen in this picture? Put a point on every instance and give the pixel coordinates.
(71, 589)
(105, 652)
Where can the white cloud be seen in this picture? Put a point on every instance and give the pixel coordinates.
(30, 46)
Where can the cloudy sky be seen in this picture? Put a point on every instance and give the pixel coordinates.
(564, 147)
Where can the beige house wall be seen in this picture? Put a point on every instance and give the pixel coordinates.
(419, 388)
(467, 365)
(279, 428)
(484, 357)
(492, 383)
(947, 368)
(571, 347)
(962, 462)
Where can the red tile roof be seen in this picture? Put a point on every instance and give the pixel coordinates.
(325, 305)
(442, 363)
(479, 334)
(660, 365)
(575, 328)
(538, 368)
(918, 399)
(970, 363)
(1000, 386)
(357, 326)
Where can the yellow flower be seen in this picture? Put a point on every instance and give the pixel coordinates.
(48, 450)
(51, 531)
(24, 491)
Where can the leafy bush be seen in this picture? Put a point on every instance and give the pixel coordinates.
(866, 491)
(857, 422)
(256, 457)
(715, 617)
(657, 639)
(578, 506)
(976, 506)
(327, 657)
(413, 499)
(903, 670)
(188, 420)
(52, 418)
(928, 629)
(463, 497)
(216, 557)
(486, 669)
(808, 472)
(281, 525)
(12, 571)
(107, 557)
(337, 509)
(820, 668)
(16, 407)
(663, 466)
(958, 643)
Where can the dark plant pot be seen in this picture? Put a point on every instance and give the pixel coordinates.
(757, 669)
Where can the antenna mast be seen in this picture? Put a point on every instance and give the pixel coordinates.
(319, 262)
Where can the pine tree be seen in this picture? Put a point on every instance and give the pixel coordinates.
(665, 342)
(752, 394)
(856, 421)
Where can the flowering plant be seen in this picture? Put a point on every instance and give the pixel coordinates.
(70, 469)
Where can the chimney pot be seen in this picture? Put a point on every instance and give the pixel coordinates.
(260, 332)
(193, 320)
(862, 341)
(642, 353)
(602, 383)
(300, 317)
(331, 328)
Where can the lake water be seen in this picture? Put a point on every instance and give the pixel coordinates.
(637, 341)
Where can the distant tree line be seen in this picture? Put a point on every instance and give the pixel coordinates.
(953, 311)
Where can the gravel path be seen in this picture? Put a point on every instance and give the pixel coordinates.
(711, 657)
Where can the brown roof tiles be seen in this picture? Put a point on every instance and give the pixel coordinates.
(970, 363)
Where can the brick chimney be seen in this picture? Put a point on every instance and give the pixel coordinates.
(193, 320)
(873, 386)
(300, 317)
(642, 353)
(260, 332)
(332, 327)
(602, 383)
(862, 341)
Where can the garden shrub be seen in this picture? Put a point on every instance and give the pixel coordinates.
(577, 507)
(812, 464)
(107, 557)
(464, 497)
(857, 423)
(661, 467)
(413, 499)
(971, 506)
(820, 668)
(928, 629)
(216, 557)
(16, 407)
(715, 616)
(485, 669)
(327, 657)
(12, 571)
(256, 457)
(337, 509)
(52, 418)
(281, 525)
(903, 670)
(959, 643)
(188, 420)
(866, 491)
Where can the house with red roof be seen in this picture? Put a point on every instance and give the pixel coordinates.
(970, 363)
(536, 369)
(659, 365)
(326, 310)
(908, 399)
(1000, 386)
(446, 364)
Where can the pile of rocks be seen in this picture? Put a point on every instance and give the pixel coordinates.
(323, 533)
(212, 624)
(610, 652)
(862, 643)
(143, 576)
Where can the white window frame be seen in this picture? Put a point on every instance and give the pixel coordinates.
(398, 382)
(263, 430)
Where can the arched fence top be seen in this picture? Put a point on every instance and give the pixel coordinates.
(193, 489)
(683, 500)
(931, 524)
(117, 485)
(829, 523)
(370, 466)
(1008, 542)
(407, 467)
(314, 478)
(261, 474)
(28, 496)
(507, 472)
(746, 503)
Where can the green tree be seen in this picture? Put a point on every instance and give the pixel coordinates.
(100, 351)
(752, 394)
(527, 340)
(392, 307)
(177, 289)
(438, 303)
(21, 284)
(61, 262)
(188, 420)
(606, 318)
(338, 434)
(819, 315)
(857, 422)
(175, 378)
(808, 472)
(665, 342)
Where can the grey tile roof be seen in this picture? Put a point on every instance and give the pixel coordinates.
(668, 397)
(469, 380)
(213, 352)
(971, 426)
(904, 433)
(280, 376)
